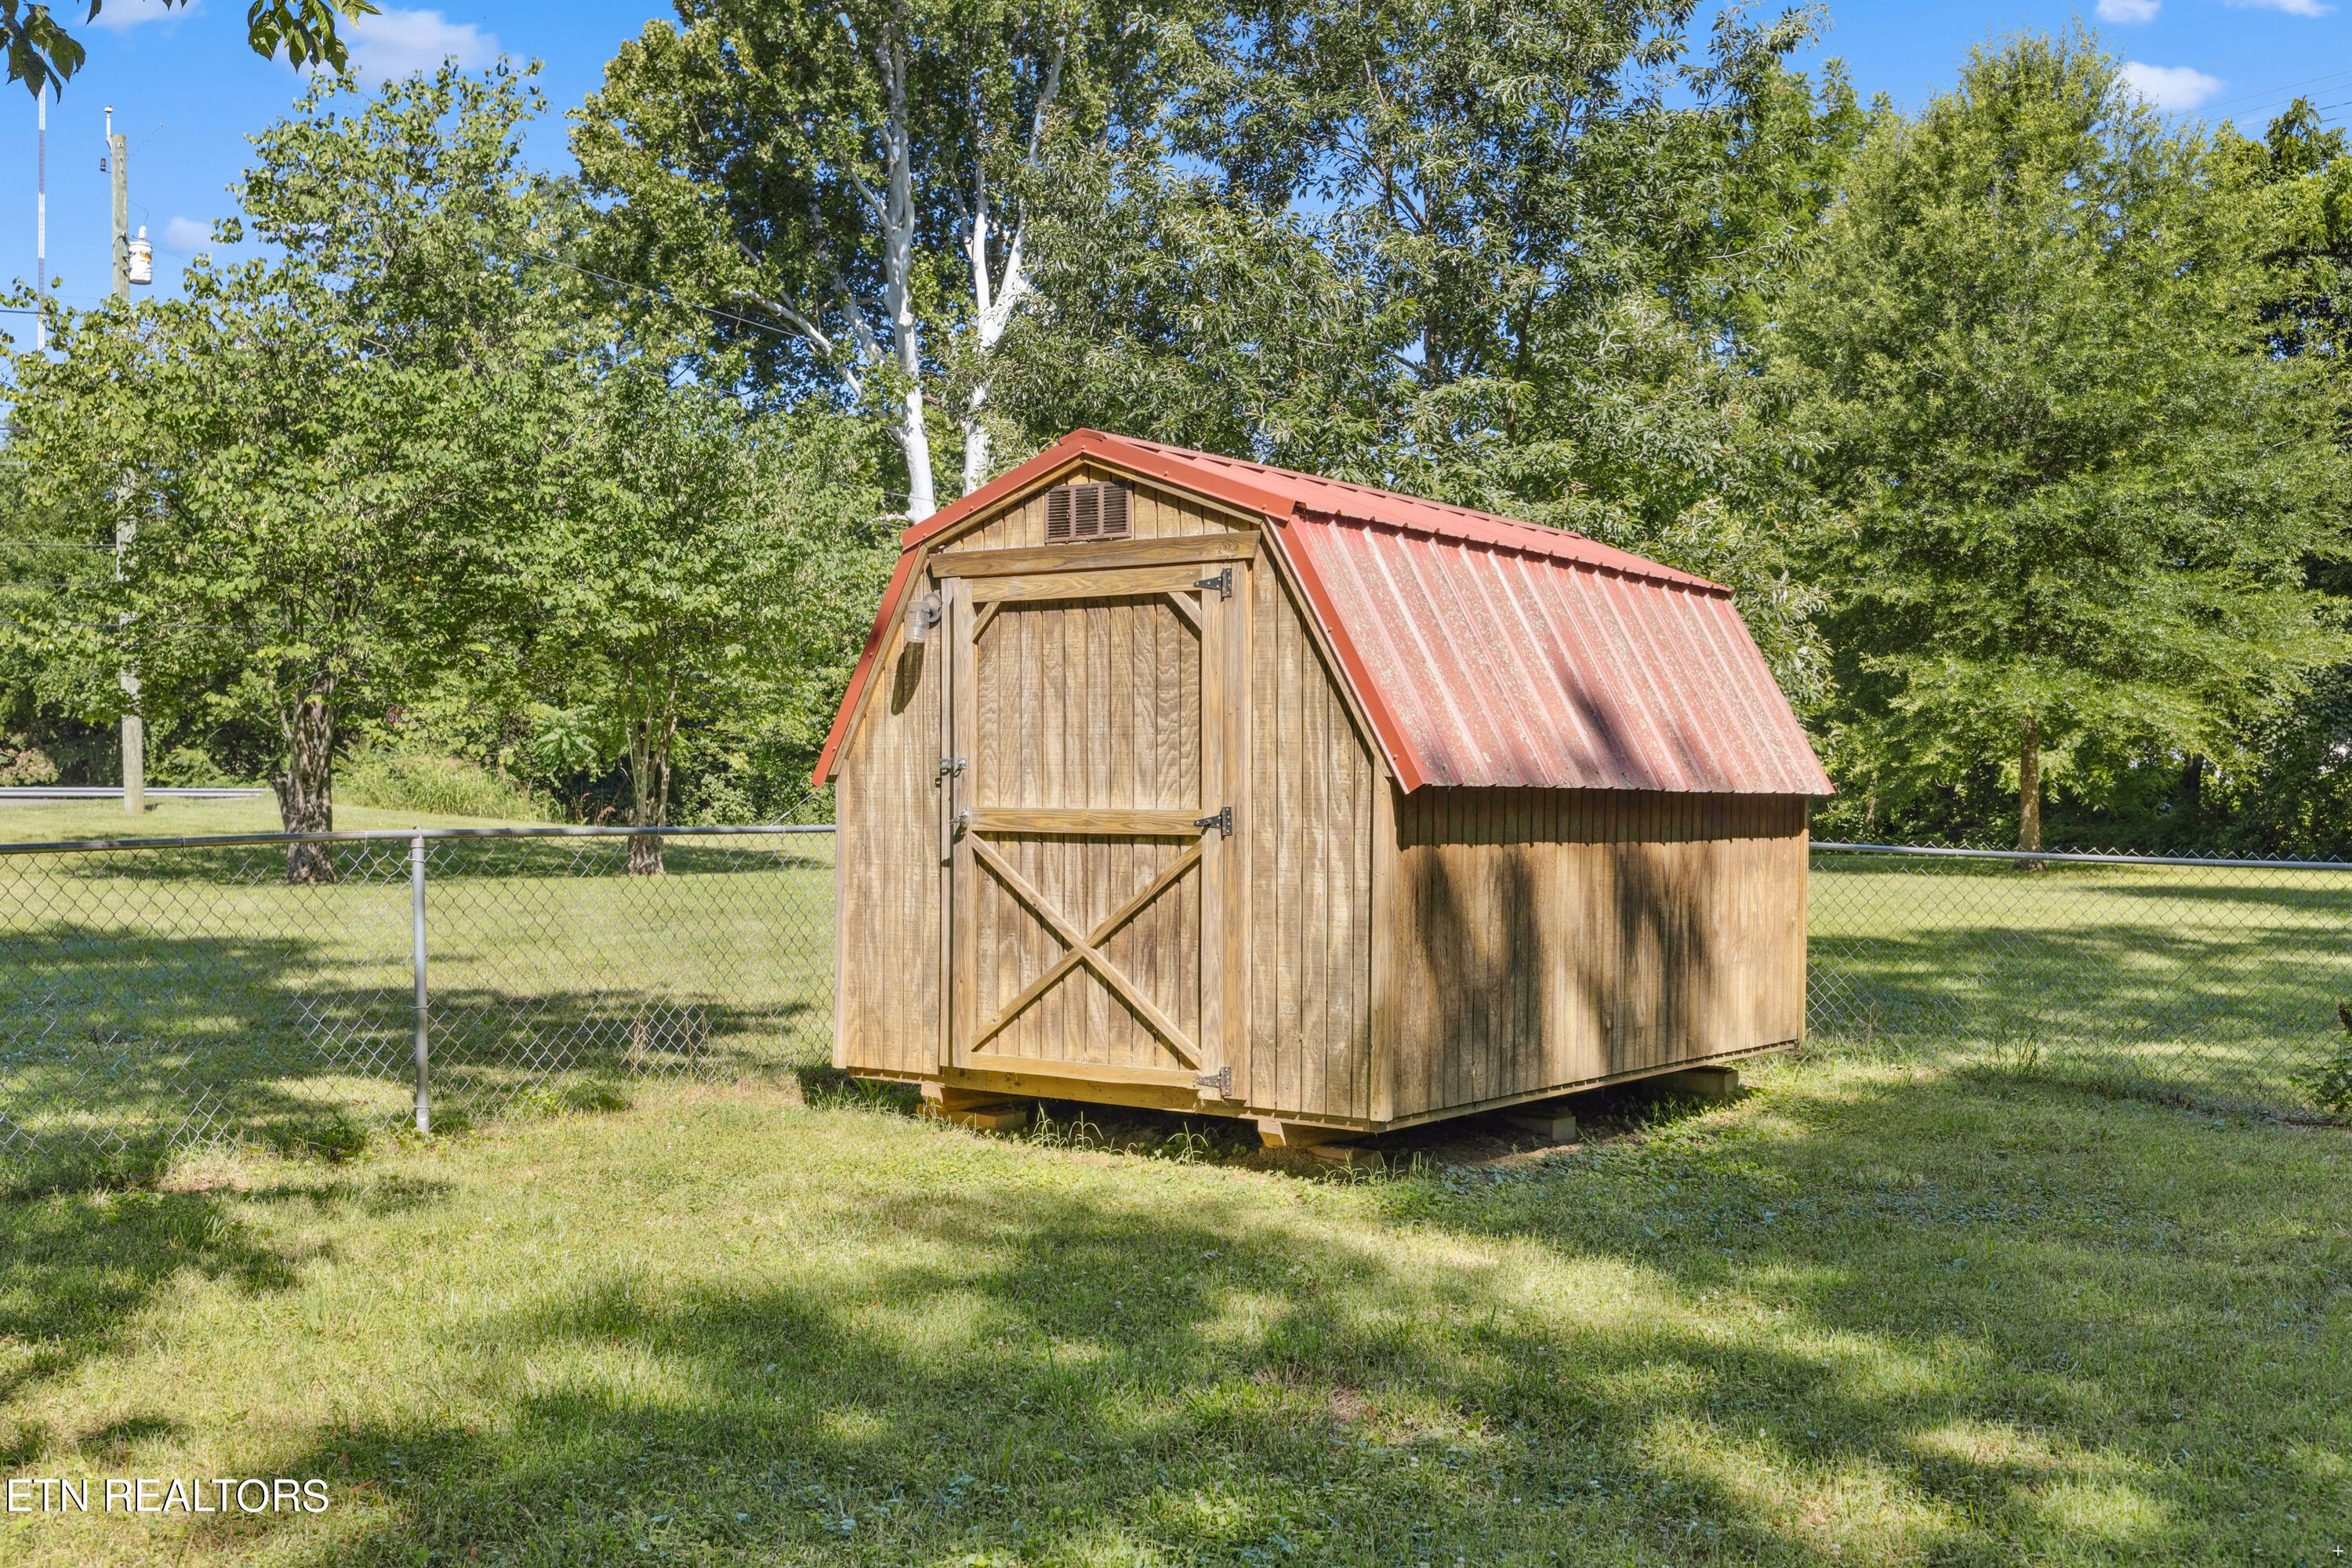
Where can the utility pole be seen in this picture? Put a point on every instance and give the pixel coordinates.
(41, 222)
(134, 729)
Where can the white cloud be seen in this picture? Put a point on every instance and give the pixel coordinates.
(2292, 7)
(393, 43)
(2172, 87)
(2129, 10)
(123, 14)
(187, 234)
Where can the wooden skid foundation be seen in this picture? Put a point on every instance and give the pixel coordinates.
(1552, 1123)
(1701, 1083)
(987, 1112)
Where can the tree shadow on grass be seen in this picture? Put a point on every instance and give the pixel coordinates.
(1480, 1377)
(120, 1048)
(2270, 992)
(77, 1271)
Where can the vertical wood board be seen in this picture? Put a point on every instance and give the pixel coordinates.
(888, 935)
(1310, 863)
(1546, 938)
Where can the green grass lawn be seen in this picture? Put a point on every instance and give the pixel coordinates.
(2219, 984)
(1866, 1314)
(150, 998)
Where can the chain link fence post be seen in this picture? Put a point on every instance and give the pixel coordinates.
(164, 996)
(416, 962)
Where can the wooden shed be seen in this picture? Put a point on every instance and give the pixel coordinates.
(1171, 780)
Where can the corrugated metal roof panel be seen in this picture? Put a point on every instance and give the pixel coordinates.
(1485, 651)
(1503, 668)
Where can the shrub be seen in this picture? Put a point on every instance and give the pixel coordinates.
(23, 762)
(2330, 1084)
(438, 786)
(188, 767)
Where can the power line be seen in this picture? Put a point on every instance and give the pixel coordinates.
(2274, 91)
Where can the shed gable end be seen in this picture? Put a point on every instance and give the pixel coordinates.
(1153, 512)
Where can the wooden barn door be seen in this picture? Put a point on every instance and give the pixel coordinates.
(1090, 736)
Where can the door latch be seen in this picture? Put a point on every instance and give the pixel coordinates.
(1222, 583)
(1221, 1080)
(1223, 821)
(950, 766)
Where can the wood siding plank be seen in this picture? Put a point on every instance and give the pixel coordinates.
(1309, 907)
(1546, 938)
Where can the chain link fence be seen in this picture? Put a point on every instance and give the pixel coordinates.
(2211, 980)
(173, 994)
(165, 995)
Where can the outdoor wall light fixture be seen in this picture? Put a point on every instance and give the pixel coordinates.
(921, 616)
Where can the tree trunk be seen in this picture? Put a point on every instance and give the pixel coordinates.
(646, 856)
(306, 788)
(899, 285)
(922, 499)
(2029, 788)
(976, 455)
(2193, 788)
(648, 794)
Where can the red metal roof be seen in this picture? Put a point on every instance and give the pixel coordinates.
(1484, 651)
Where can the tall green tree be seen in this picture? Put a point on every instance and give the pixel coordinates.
(1501, 255)
(319, 461)
(848, 187)
(707, 566)
(2299, 177)
(2080, 490)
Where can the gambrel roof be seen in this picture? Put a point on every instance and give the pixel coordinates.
(1484, 652)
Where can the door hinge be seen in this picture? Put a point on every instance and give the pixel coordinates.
(1223, 821)
(1221, 1080)
(1222, 583)
(950, 766)
(961, 825)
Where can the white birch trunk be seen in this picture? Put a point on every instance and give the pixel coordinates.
(993, 315)
(898, 266)
(993, 303)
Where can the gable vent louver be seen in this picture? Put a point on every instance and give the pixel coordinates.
(1075, 513)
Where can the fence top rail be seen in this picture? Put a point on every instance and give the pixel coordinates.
(2076, 857)
(401, 835)
(114, 792)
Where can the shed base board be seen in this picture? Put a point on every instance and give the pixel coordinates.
(997, 1086)
(1605, 1080)
(966, 1108)
(1181, 1098)
(984, 1118)
(1277, 1133)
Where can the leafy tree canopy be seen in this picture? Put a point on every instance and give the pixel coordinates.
(42, 52)
(412, 453)
(849, 187)
(1502, 255)
(2080, 490)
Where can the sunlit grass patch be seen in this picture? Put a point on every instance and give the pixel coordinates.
(1869, 1314)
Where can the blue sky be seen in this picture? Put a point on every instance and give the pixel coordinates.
(187, 91)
